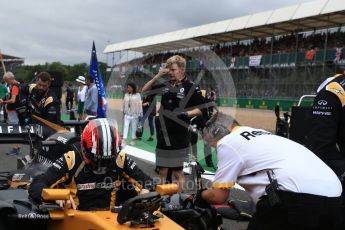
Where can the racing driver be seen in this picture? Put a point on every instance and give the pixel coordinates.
(95, 175)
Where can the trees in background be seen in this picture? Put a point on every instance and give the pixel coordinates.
(71, 72)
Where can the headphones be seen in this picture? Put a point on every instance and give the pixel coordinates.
(217, 129)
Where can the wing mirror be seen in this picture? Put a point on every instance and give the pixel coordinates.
(167, 189)
(55, 194)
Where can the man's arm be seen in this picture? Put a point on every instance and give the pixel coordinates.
(135, 175)
(215, 195)
(229, 165)
(14, 93)
(52, 113)
(94, 96)
(196, 102)
(194, 112)
(149, 84)
(54, 175)
(324, 125)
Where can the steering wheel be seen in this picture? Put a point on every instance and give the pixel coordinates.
(139, 209)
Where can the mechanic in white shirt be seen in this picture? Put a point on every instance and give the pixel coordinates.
(307, 195)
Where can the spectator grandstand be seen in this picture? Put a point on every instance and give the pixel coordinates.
(10, 62)
(265, 53)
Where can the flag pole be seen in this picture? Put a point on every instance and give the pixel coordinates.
(2, 62)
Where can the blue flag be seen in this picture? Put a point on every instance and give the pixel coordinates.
(97, 76)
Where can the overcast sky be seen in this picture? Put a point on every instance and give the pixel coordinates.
(63, 30)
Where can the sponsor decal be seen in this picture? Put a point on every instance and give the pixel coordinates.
(323, 107)
(249, 135)
(180, 94)
(322, 102)
(106, 184)
(62, 139)
(33, 216)
(87, 186)
(322, 113)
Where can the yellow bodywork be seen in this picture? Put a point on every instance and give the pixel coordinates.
(96, 220)
(55, 194)
(167, 189)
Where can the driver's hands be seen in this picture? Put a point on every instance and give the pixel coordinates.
(143, 191)
(70, 203)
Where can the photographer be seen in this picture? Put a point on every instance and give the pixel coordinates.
(37, 99)
(287, 193)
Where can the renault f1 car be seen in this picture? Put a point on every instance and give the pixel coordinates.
(18, 212)
(154, 210)
(48, 142)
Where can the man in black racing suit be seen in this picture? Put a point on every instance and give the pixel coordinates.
(96, 174)
(326, 137)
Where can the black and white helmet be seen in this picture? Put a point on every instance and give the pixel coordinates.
(100, 141)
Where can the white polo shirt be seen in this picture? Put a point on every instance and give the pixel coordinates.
(246, 153)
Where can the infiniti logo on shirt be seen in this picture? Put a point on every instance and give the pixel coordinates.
(322, 102)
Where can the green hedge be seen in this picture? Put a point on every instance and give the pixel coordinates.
(255, 103)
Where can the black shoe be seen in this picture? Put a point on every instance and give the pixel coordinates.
(150, 139)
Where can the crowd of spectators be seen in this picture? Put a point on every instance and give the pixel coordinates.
(257, 46)
(308, 45)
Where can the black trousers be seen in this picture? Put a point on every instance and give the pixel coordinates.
(69, 103)
(298, 211)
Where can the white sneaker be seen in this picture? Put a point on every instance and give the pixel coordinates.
(132, 143)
